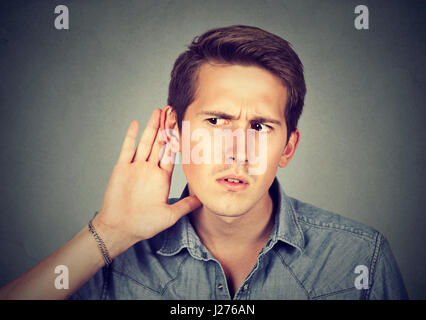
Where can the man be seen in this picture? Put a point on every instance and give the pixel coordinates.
(234, 234)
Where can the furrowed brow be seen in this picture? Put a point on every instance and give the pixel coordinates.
(217, 114)
(268, 120)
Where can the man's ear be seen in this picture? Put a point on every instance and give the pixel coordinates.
(169, 127)
(290, 148)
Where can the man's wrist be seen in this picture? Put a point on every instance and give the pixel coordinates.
(101, 244)
(114, 240)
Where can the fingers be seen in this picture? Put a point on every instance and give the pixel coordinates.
(128, 146)
(185, 206)
(148, 137)
(151, 146)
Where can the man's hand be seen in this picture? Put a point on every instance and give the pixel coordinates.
(135, 201)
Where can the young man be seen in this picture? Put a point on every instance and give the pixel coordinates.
(234, 234)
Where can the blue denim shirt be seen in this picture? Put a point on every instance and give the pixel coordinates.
(311, 254)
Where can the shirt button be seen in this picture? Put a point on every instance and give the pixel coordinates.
(245, 287)
(220, 286)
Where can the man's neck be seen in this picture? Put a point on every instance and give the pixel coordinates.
(227, 234)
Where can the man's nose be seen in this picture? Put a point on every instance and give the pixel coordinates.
(237, 146)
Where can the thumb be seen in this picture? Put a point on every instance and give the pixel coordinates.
(185, 206)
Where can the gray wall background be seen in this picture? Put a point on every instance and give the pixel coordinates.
(67, 98)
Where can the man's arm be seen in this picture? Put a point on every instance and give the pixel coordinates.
(80, 255)
(134, 208)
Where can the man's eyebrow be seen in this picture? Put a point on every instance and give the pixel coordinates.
(222, 115)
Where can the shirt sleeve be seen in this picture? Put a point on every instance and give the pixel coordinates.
(387, 282)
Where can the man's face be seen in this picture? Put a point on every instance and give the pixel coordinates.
(236, 97)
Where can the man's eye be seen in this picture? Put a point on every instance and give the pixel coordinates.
(260, 127)
(217, 121)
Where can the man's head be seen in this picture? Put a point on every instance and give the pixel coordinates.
(242, 45)
(236, 78)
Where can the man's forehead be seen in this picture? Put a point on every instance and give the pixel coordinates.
(248, 88)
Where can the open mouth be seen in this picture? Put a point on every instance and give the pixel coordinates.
(233, 184)
(234, 180)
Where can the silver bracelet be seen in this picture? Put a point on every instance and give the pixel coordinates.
(100, 243)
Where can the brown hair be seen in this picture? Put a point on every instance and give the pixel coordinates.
(244, 45)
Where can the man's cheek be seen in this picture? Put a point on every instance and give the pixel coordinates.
(193, 174)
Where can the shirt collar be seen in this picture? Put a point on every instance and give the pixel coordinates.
(286, 228)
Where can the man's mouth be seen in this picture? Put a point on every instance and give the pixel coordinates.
(233, 183)
(234, 180)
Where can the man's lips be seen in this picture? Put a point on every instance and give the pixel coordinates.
(234, 177)
(233, 182)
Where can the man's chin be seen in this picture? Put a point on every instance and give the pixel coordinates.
(230, 215)
(225, 209)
